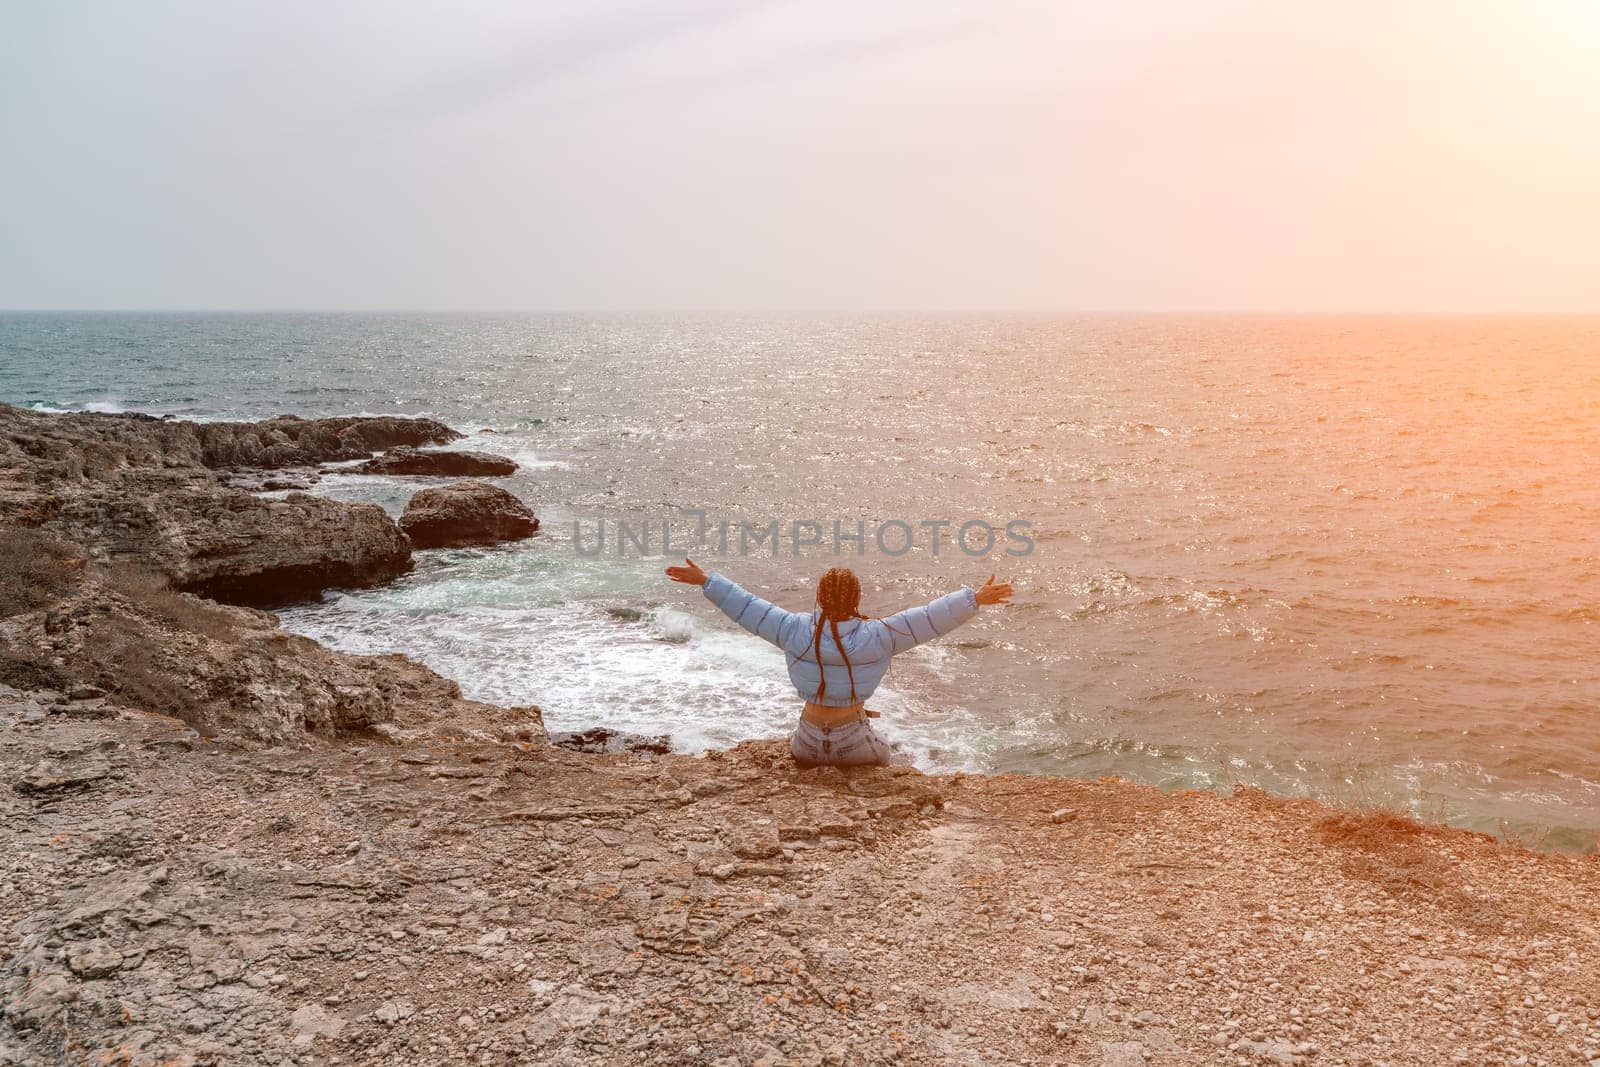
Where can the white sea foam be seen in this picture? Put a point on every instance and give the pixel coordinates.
(113, 406)
(390, 491)
(108, 406)
(514, 446)
(491, 620)
(665, 673)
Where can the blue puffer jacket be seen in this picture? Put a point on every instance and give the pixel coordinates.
(867, 642)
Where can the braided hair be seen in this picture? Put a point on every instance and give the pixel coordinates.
(838, 597)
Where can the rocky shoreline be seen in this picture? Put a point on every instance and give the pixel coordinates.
(227, 844)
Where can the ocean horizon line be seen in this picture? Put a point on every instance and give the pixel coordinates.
(822, 312)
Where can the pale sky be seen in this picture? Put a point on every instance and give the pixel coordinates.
(895, 155)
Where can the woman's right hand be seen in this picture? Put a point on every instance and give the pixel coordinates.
(993, 593)
(691, 574)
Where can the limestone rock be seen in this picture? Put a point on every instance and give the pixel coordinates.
(229, 670)
(573, 1008)
(288, 441)
(601, 739)
(61, 776)
(42, 1001)
(466, 513)
(93, 960)
(95, 446)
(311, 1021)
(754, 842)
(240, 548)
(350, 901)
(321, 544)
(444, 464)
(1121, 1054)
(145, 490)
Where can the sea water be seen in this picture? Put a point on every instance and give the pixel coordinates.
(1345, 557)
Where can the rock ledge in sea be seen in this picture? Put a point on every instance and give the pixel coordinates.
(440, 463)
(240, 553)
(290, 441)
(466, 513)
(148, 492)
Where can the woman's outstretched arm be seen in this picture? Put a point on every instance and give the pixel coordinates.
(762, 618)
(911, 627)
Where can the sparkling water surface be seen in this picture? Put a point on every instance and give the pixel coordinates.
(1352, 558)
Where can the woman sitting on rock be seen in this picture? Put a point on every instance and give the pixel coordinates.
(837, 656)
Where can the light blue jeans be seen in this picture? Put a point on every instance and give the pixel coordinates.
(850, 744)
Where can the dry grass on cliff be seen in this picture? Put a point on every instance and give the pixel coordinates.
(125, 657)
(154, 596)
(128, 655)
(1372, 828)
(35, 570)
(26, 672)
